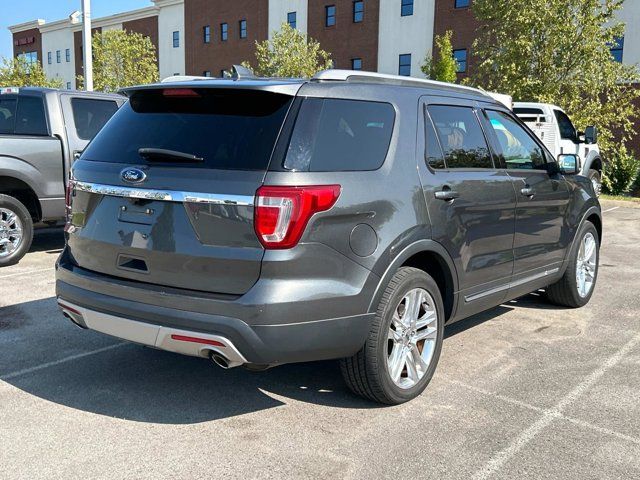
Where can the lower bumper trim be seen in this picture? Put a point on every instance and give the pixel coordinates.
(186, 342)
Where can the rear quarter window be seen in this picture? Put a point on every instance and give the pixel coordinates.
(340, 135)
(90, 115)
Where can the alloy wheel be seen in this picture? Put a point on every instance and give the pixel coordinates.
(586, 265)
(10, 232)
(412, 338)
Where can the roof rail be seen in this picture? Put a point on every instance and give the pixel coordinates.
(383, 78)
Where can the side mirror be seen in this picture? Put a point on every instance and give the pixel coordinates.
(591, 135)
(569, 164)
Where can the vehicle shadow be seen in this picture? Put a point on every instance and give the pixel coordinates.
(142, 384)
(49, 240)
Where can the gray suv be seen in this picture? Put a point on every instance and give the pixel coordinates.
(350, 216)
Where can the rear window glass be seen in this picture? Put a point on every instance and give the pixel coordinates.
(8, 114)
(90, 115)
(528, 114)
(30, 117)
(340, 135)
(228, 129)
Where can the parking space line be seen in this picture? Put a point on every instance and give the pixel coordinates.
(549, 414)
(562, 416)
(27, 273)
(610, 209)
(70, 358)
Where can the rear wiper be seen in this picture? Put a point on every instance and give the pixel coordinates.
(160, 154)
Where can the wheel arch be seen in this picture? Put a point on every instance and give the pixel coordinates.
(23, 192)
(431, 257)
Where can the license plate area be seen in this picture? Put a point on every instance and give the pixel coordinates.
(140, 212)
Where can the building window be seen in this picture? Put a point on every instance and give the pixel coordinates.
(176, 39)
(404, 65)
(49, 58)
(617, 49)
(224, 32)
(461, 57)
(330, 15)
(358, 11)
(206, 34)
(68, 85)
(58, 56)
(356, 64)
(461, 3)
(223, 73)
(406, 8)
(243, 29)
(67, 55)
(292, 19)
(206, 73)
(29, 57)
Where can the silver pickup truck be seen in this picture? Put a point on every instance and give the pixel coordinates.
(41, 132)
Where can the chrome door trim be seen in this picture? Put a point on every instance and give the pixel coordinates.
(506, 286)
(164, 195)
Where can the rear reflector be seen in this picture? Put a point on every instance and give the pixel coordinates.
(282, 213)
(69, 309)
(204, 341)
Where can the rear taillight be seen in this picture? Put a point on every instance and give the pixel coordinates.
(282, 213)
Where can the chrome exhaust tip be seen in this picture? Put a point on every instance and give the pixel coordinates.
(220, 360)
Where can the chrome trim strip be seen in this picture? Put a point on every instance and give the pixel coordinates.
(165, 195)
(517, 283)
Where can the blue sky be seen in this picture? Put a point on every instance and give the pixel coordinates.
(14, 12)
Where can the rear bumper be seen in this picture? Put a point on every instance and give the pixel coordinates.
(258, 333)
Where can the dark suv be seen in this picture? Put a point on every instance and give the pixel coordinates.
(351, 216)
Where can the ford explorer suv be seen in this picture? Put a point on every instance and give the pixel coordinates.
(556, 130)
(41, 130)
(350, 216)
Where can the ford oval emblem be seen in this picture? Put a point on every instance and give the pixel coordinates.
(133, 175)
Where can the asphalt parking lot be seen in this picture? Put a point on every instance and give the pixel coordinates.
(524, 390)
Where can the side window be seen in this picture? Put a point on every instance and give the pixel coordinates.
(8, 115)
(340, 135)
(433, 153)
(30, 117)
(89, 115)
(567, 130)
(461, 137)
(518, 148)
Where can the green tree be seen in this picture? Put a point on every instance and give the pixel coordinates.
(17, 72)
(558, 51)
(122, 59)
(442, 65)
(290, 53)
(621, 171)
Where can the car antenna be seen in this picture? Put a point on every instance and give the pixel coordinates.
(238, 72)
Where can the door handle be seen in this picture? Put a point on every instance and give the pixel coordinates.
(528, 191)
(446, 194)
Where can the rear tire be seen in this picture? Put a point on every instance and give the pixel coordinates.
(569, 290)
(596, 180)
(16, 230)
(400, 355)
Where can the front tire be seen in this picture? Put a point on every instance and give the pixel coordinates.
(403, 347)
(16, 230)
(596, 180)
(577, 284)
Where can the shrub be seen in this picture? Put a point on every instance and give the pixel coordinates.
(620, 171)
